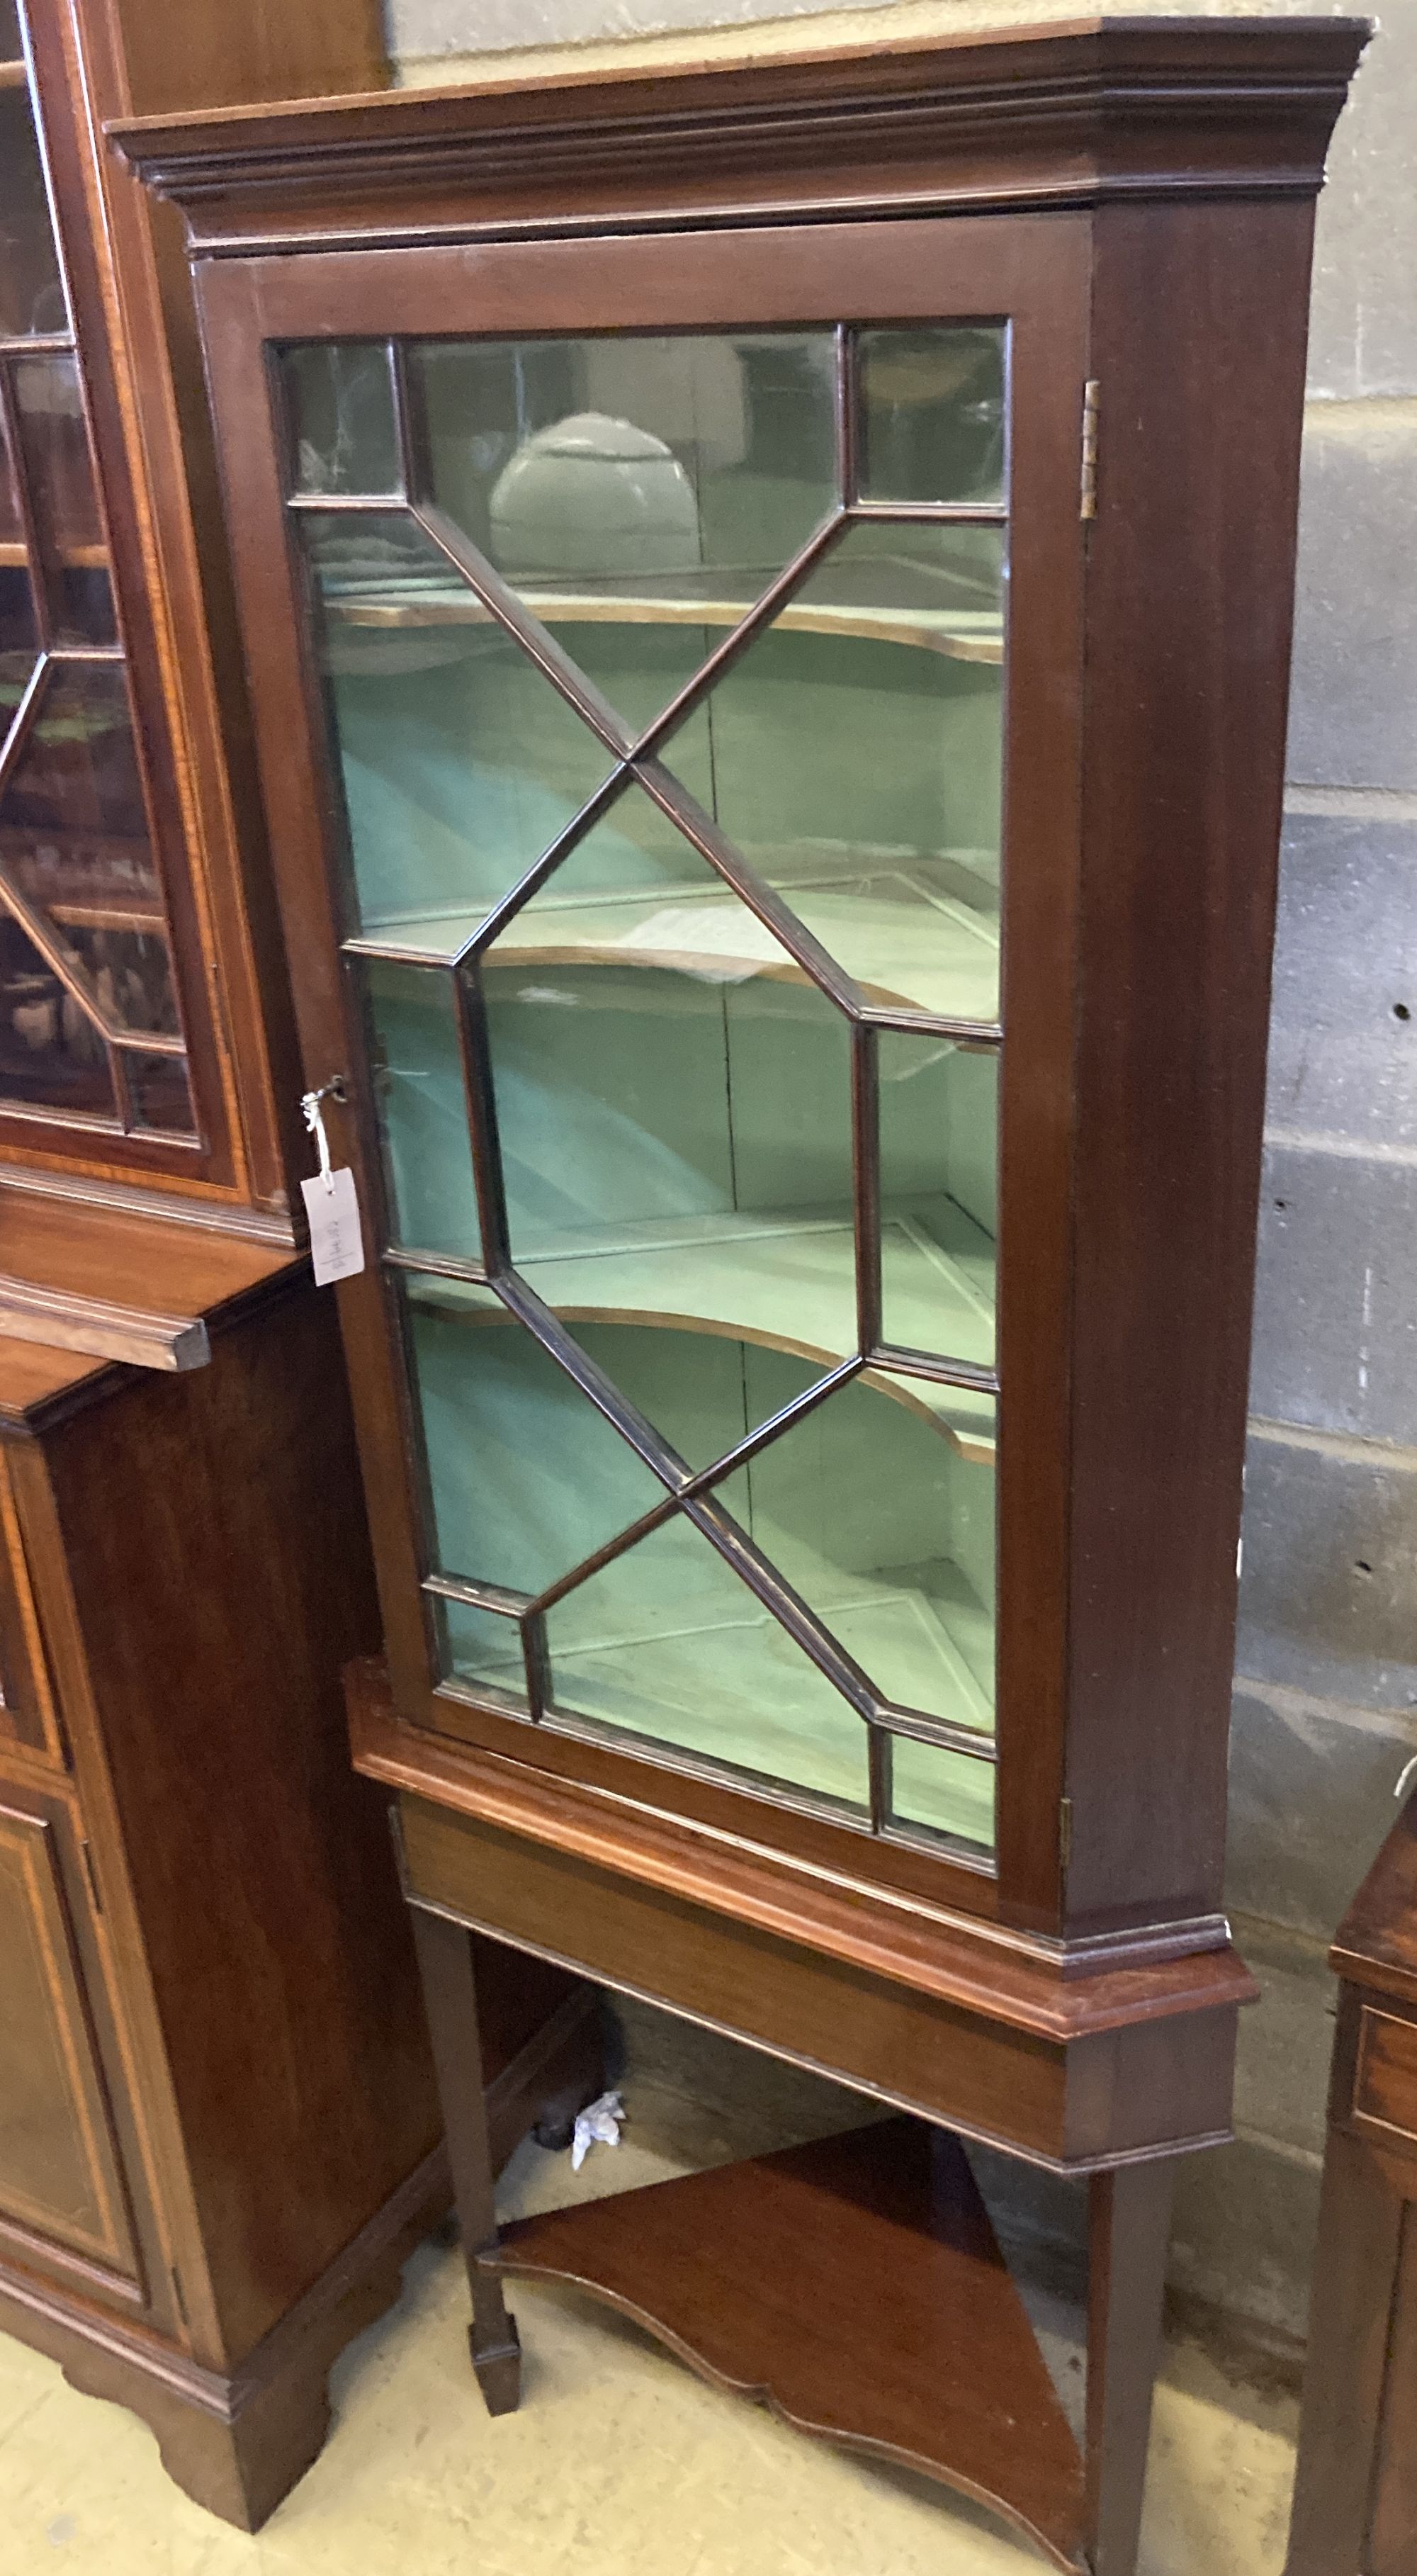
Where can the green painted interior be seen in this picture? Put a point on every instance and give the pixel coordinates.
(866, 1507)
(672, 1090)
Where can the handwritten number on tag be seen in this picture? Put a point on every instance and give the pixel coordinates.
(336, 1238)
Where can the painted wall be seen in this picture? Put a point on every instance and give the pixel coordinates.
(1326, 1684)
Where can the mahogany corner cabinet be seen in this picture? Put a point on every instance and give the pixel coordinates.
(767, 594)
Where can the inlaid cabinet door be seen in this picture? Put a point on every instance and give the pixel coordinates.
(64, 2204)
(28, 1711)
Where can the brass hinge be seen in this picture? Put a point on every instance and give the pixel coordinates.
(1091, 402)
(91, 1874)
(1065, 1835)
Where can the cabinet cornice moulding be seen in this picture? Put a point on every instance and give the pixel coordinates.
(1097, 109)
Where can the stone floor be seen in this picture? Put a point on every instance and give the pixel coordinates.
(620, 2460)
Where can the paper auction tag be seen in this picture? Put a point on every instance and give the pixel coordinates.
(336, 1237)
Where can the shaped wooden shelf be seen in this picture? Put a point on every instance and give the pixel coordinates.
(786, 1280)
(909, 946)
(856, 2288)
(961, 635)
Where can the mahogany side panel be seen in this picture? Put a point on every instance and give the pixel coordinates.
(214, 1619)
(1198, 348)
(178, 57)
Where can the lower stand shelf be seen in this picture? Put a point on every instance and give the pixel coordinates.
(856, 2287)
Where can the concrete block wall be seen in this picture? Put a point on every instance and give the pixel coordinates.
(1326, 1680)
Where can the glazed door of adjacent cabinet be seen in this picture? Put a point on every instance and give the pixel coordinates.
(103, 1012)
(690, 638)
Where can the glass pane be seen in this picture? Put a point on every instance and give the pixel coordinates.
(855, 754)
(673, 1100)
(129, 972)
(945, 1792)
(525, 1476)
(159, 1093)
(63, 500)
(638, 492)
(19, 635)
(871, 1511)
(11, 48)
(51, 1056)
(461, 763)
(666, 1642)
(342, 417)
(939, 1196)
(74, 840)
(31, 295)
(481, 1646)
(15, 665)
(932, 414)
(421, 1108)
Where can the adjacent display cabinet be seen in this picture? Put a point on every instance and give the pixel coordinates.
(767, 601)
(1355, 2507)
(219, 2133)
(218, 2122)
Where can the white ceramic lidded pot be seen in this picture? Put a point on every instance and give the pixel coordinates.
(592, 497)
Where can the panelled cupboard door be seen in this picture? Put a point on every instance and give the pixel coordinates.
(680, 863)
(28, 1710)
(65, 2206)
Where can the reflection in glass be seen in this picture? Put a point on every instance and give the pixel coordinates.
(19, 632)
(639, 493)
(31, 295)
(77, 782)
(872, 1513)
(944, 1792)
(525, 1477)
(19, 636)
(480, 1646)
(159, 1093)
(128, 972)
(932, 414)
(856, 758)
(421, 1109)
(51, 1056)
(668, 1643)
(73, 556)
(939, 1196)
(460, 762)
(342, 416)
(74, 844)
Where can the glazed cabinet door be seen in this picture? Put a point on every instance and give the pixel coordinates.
(104, 1015)
(66, 2209)
(684, 812)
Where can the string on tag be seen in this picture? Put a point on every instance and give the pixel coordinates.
(315, 1121)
